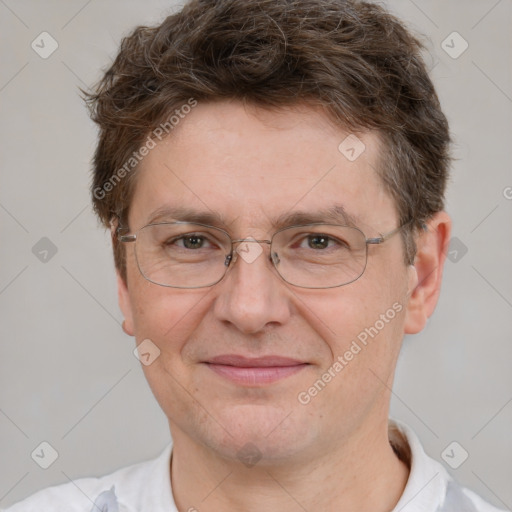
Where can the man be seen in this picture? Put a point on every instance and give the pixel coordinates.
(273, 175)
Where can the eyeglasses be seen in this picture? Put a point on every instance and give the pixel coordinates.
(186, 255)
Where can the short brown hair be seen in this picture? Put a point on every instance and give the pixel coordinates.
(351, 58)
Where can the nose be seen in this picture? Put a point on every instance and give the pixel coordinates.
(252, 296)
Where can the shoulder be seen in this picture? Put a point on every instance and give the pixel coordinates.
(430, 487)
(76, 496)
(479, 504)
(123, 488)
(460, 499)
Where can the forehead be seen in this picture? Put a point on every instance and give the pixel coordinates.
(244, 165)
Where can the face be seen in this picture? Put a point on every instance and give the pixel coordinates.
(251, 166)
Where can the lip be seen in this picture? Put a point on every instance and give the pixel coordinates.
(257, 371)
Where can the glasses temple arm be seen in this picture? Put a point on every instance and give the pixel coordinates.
(384, 237)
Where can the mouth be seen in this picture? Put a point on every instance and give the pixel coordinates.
(254, 371)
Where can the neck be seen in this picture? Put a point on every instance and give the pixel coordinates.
(363, 474)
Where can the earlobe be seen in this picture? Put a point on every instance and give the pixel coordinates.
(125, 305)
(427, 272)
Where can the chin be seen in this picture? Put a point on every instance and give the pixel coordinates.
(265, 432)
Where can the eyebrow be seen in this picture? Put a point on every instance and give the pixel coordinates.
(184, 214)
(336, 214)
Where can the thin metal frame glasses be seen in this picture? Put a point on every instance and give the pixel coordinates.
(193, 255)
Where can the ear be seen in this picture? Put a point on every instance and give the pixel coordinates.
(427, 272)
(125, 305)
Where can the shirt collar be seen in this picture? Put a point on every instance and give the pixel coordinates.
(424, 491)
(157, 493)
(426, 485)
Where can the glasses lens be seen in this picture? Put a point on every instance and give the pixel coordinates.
(319, 256)
(182, 255)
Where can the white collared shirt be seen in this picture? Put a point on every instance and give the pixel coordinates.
(146, 487)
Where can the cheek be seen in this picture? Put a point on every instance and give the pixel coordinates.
(165, 312)
(168, 317)
(364, 334)
(363, 322)
(156, 309)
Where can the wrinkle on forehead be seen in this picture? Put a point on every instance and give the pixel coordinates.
(228, 165)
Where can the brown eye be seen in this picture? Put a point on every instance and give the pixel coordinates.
(193, 242)
(318, 241)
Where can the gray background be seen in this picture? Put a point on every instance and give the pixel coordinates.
(67, 372)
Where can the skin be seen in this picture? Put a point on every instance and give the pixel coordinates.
(251, 165)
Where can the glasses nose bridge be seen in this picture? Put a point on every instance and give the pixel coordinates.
(250, 239)
(233, 256)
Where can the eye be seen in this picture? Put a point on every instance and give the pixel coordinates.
(190, 241)
(319, 241)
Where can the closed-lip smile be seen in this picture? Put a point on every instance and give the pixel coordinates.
(254, 371)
